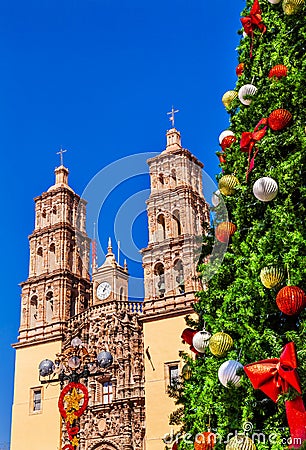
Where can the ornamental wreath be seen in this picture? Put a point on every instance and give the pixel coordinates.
(65, 391)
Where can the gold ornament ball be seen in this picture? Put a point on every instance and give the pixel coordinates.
(292, 6)
(227, 184)
(271, 276)
(220, 343)
(228, 97)
(186, 372)
(241, 442)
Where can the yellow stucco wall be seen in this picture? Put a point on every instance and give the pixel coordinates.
(34, 431)
(164, 340)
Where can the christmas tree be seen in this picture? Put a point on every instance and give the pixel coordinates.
(254, 306)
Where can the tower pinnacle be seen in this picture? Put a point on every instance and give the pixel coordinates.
(171, 113)
(61, 155)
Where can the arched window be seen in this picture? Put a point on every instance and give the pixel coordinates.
(52, 256)
(33, 310)
(161, 179)
(160, 279)
(107, 388)
(121, 293)
(173, 176)
(73, 302)
(39, 260)
(179, 276)
(177, 229)
(49, 306)
(44, 214)
(161, 228)
(54, 209)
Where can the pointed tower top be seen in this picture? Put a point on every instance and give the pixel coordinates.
(173, 140)
(109, 246)
(125, 266)
(61, 174)
(171, 114)
(110, 259)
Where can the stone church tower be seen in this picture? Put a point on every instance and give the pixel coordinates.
(176, 211)
(58, 287)
(128, 405)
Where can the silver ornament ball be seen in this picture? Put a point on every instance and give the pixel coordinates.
(228, 373)
(246, 90)
(201, 340)
(265, 189)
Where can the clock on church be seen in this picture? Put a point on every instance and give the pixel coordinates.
(103, 290)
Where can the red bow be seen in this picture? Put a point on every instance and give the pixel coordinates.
(187, 336)
(253, 20)
(273, 377)
(248, 141)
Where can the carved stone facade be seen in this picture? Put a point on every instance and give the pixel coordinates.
(117, 421)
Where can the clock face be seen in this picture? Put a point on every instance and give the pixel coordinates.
(103, 290)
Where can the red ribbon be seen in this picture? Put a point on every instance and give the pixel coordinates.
(248, 141)
(187, 336)
(253, 20)
(273, 377)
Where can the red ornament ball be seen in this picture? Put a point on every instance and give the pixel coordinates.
(224, 231)
(204, 441)
(227, 142)
(222, 158)
(239, 69)
(291, 300)
(279, 119)
(278, 71)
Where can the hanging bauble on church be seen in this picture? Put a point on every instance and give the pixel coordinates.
(240, 442)
(279, 119)
(271, 276)
(105, 359)
(227, 373)
(292, 6)
(201, 340)
(265, 189)
(228, 98)
(227, 184)
(291, 300)
(245, 92)
(224, 231)
(220, 343)
(278, 71)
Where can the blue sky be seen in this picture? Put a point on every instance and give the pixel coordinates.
(97, 77)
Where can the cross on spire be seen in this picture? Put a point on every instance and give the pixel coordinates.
(171, 113)
(61, 155)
